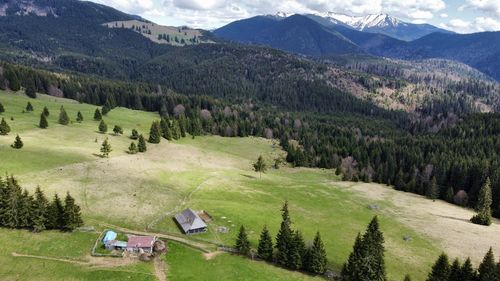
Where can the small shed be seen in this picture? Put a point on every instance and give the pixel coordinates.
(190, 223)
(141, 244)
(110, 235)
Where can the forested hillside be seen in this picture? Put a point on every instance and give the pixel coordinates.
(362, 141)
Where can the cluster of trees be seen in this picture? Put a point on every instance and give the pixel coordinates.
(442, 270)
(19, 209)
(290, 250)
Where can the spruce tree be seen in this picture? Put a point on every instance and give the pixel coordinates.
(97, 115)
(106, 109)
(39, 213)
(455, 271)
(135, 134)
(374, 263)
(79, 117)
(2, 108)
(11, 204)
(103, 127)
(483, 206)
(71, 214)
(176, 131)
(242, 243)
(352, 270)
(487, 270)
(165, 129)
(106, 148)
(317, 260)
(132, 149)
(29, 107)
(467, 272)
(30, 90)
(284, 237)
(55, 213)
(63, 117)
(440, 270)
(260, 166)
(432, 189)
(46, 112)
(43, 122)
(118, 130)
(155, 132)
(296, 251)
(141, 144)
(4, 127)
(265, 248)
(18, 143)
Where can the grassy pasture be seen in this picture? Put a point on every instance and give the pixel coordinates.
(209, 173)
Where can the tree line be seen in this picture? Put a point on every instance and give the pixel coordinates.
(21, 210)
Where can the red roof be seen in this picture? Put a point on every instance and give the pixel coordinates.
(140, 241)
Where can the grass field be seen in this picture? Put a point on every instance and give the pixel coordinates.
(209, 173)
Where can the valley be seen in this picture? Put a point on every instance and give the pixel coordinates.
(213, 174)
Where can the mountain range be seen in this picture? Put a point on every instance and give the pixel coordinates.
(326, 37)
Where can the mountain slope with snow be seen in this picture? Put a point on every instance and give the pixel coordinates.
(378, 23)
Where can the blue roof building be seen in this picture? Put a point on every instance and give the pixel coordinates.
(110, 235)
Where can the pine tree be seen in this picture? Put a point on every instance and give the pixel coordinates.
(11, 204)
(97, 115)
(487, 269)
(155, 132)
(165, 129)
(352, 270)
(63, 117)
(46, 112)
(79, 117)
(71, 214)
(106, 148)
(55, 213)
(106, 109)
(18, 143)
(296, 251)
(29, 107)
(118, 130)
(260, 166)
(132, 149)
(135, 134)
(2, 108)
(449, 195)
(432, 189)
(176, 131)
(43, 121)
(440, 270)
(103, 127)
(39, 211)
(265, 248)
(30, 90)
(483, 206)
(242, 243)
(4, 127)
(373, 241)
(317, 260)
(467, 272)
(455, 271)
(141, 144)
(284, 237)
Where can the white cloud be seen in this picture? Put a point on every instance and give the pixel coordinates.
(129, 6)
(443, 15)
(488, 6)
(479, 24)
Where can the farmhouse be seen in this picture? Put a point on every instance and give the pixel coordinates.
(115, 245)
(140, 244)
(190, 222)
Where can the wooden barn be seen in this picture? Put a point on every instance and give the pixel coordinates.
(190, 223)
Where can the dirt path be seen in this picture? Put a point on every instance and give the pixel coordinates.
(212, 255)
(445, 223)
(160, 269)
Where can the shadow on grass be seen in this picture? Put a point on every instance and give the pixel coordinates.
(248, 176)
(456, 219)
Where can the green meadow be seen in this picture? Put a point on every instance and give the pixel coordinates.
(144, 191)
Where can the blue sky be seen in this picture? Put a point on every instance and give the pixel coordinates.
(464, 16)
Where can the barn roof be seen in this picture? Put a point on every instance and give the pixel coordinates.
(116, 243)
(140, 241)
(189, 220)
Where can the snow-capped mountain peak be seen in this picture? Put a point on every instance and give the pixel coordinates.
(282, 15)
(362, 22)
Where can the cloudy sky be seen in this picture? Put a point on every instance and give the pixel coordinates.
(462, 16)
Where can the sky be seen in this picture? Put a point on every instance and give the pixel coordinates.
(463, 16)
